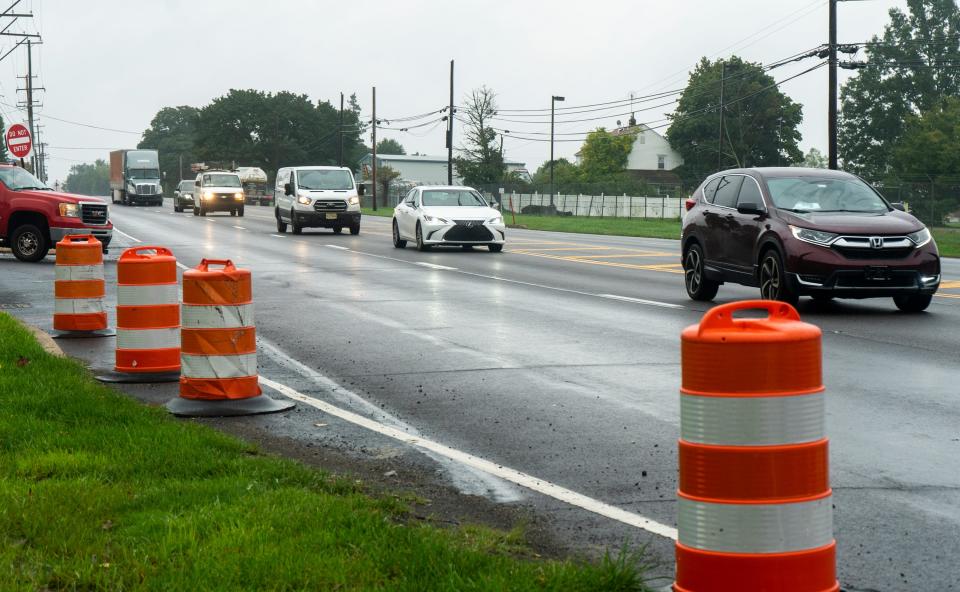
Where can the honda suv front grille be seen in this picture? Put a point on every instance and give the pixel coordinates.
(330, 205)
(873, 247)
(94, 214)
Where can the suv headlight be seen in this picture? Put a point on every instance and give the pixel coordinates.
(69, 210)
(354, 201)
(303, 199)
(817, 237)
(921, 237)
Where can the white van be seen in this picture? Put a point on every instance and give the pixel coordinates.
(317, 197)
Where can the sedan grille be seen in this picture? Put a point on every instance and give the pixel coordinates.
(330, 205)
(468, 231)
(94, 214)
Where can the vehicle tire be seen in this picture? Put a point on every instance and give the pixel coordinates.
(774, 284)
(196, 211)
(355, 229)
(240, 212)
(495, 248)
(203, 211)
(29, 243)
(913, 302)
(296, 228)
(698, 286)
(281, 225)
(337, 229)
(420, 245)
(233, 212)
(397, 241)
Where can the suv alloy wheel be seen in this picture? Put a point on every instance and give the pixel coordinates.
(773, 279)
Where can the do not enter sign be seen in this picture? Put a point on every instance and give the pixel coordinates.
(19, 142)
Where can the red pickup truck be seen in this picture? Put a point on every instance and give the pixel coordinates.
(34, 217)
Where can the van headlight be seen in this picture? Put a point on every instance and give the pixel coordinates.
(817, 237)
(69, 210)
(354, 201)
(238, 195)
(303, 199)
(207, 195)
(921, 237)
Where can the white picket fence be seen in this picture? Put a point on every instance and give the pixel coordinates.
(616, 206)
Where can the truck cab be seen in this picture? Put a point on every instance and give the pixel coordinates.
(217, 191)
(135, 177)
(34, 217)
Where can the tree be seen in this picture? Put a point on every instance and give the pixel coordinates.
(815, 159)
(760, 122)
(604, 155)
(565, 174)
(910, 69)
(480, 161)
(89, 179)
(930, 143)
(385, 176)
(389, 146)
(172, 133)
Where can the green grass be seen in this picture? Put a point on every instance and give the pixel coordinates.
(381, 211)
(649, 228)
(948, 240)
(98, 492)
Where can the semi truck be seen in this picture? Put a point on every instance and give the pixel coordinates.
(135, 177)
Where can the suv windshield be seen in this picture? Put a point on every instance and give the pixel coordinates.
(318, 180)
(817, 194)
(452, 197)
(143, 173)
(222, 180)
(16, 178)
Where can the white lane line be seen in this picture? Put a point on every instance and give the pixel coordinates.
(182, 266)
(337, 247)
(434, 266)
(239, 227)
(641, 301)
(278, 235)
(506, 473)
(118, 231)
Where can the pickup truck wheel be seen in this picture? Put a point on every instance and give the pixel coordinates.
(297, 229)
(29, 243)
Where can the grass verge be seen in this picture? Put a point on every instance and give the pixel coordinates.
(948, 240)
(98, 492)
(384, 212)
(648, 228)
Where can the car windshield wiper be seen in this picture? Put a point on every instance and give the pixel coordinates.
(28, 187)
(796, 211)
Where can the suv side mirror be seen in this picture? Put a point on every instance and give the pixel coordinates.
(196, 183)
(750, 209)
(898, 205)
(287, 189)
(361, 189)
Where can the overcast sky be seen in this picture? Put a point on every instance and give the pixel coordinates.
(115, 63)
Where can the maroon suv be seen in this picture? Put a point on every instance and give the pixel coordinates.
(795, 232)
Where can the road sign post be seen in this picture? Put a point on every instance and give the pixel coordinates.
(19, 142)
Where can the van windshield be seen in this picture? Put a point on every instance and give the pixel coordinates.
(222, 180)
(319, 180)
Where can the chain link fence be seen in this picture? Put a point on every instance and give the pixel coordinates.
(935, 202)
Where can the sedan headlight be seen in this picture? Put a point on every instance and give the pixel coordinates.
(495, 220)
(238, 195)
(69, 210)
(354, 201)
(207, 195)
(303, 199)
(817, 237)
(920, 237)
(429, 218)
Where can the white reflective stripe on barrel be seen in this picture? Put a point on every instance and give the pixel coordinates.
(216, 317)
(149, 295)
(218, 366)
(78, 305)
(755, 528)
(148, 338)
(73, 273)
(752, 421)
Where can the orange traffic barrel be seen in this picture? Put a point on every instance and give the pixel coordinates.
(148, 317)
(218, 345)
(754, 500)
(79, 288)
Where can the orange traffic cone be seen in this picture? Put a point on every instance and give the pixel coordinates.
(754, 508)
(219, 345)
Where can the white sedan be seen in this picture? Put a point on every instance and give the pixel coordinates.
(447, 215)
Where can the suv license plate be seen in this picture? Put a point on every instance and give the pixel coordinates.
(331, 216)
(878, 274)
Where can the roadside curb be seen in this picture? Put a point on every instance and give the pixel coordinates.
(44, 338)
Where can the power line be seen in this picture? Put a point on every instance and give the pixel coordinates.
(87, 125)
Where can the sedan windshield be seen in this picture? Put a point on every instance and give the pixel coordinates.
(452, 198)
(16, 178)
(814, 194)
(143, 173)
(186, 186)
(223, 180)
(319, 180)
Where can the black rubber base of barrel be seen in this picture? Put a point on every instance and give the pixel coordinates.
(137, 377)
(82, 334)
(226, 407)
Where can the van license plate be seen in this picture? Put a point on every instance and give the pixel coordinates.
(331, 216)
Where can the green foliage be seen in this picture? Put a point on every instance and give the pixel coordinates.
(89, 179)
(815, 159)
(761, 126)
(604, 155)
(385, 176)
(390, 146)
(930, 143)
(172, 133)
(912, 67)
(565, 173)
(480, 161)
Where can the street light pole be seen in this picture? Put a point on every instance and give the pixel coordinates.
(553, 100)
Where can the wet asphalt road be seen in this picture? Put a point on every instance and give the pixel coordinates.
(560, 358)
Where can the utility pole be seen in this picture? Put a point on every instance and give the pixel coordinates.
(832, 94)
(450, 131)
(374, 169)
(340, 135)
(33, 131)
(180, 169)
(553, 101)
(723, 74)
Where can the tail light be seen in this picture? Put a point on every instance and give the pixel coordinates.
(691, 201)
